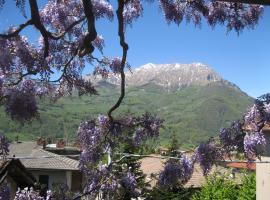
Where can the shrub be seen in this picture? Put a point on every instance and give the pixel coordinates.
(217, 188)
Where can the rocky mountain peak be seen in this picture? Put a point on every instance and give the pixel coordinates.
(172, 75)
(169, 76)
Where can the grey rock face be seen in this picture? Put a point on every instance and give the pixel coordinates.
(173, 75)
(168, 76)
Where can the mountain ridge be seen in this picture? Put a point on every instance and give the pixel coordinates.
(169, 77)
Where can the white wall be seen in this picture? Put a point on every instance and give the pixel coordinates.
(263, 180)
(54, 176)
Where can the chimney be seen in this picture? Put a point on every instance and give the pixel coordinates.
(60, 143)
(17, 138)
(41, 142)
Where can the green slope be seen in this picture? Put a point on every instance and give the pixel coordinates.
(193, 113)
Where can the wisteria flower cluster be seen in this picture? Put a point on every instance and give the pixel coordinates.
(4, 191)
(21, 105)
(232, 138)
(176, 172)
(247, 136)
(129, 183)
(207, 154)
(133, 9)
(236, 16)
(28, 193)
(149, 127)
(4, 145)
(254, 144)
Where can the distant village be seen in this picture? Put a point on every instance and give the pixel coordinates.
(42, 165)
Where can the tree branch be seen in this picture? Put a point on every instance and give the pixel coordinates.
(64, 69)
(87, 47)
(124, 46)
(37, 23)
(56, 37)
(17, 31)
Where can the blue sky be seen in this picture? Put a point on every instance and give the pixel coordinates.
(243, 60)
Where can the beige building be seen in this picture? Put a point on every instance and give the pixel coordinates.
(48, 168)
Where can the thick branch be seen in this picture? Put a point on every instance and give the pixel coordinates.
(17, 31)
(87, 47)
(124, 46)
(37, 23)
(259, 2)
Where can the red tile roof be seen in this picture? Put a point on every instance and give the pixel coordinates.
(248, 166)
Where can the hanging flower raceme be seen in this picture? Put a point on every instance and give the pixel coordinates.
(129, 183)
(149, 127)
(253, 118)
(4, 191)
(4, 145)
(175, 11)
(237, 16)
(176, 172)
(232, 138)
(21, 105)
(254, 144)
(133, 9)
(207, 154)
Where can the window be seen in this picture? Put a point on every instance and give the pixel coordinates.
(44, 184)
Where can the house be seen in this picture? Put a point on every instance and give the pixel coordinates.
(48, 168)
(15, 175)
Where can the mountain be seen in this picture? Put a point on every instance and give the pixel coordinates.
(193, 99)
(170, 77)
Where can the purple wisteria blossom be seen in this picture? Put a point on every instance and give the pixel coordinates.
(4, 145)
(253, 115)
(175, 11)
(236, 16)
(129, 182)
(169, 177)
(187, 168)
(207, 154)
(102, 8)
(149, 127)
(5, 192)
(27, 194)
(254, 144)
(103, 120)
(176, 173)
(21, 105)
(133, 9)
(232, 138)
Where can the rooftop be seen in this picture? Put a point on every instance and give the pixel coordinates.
(34, 157)
(153, 166)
